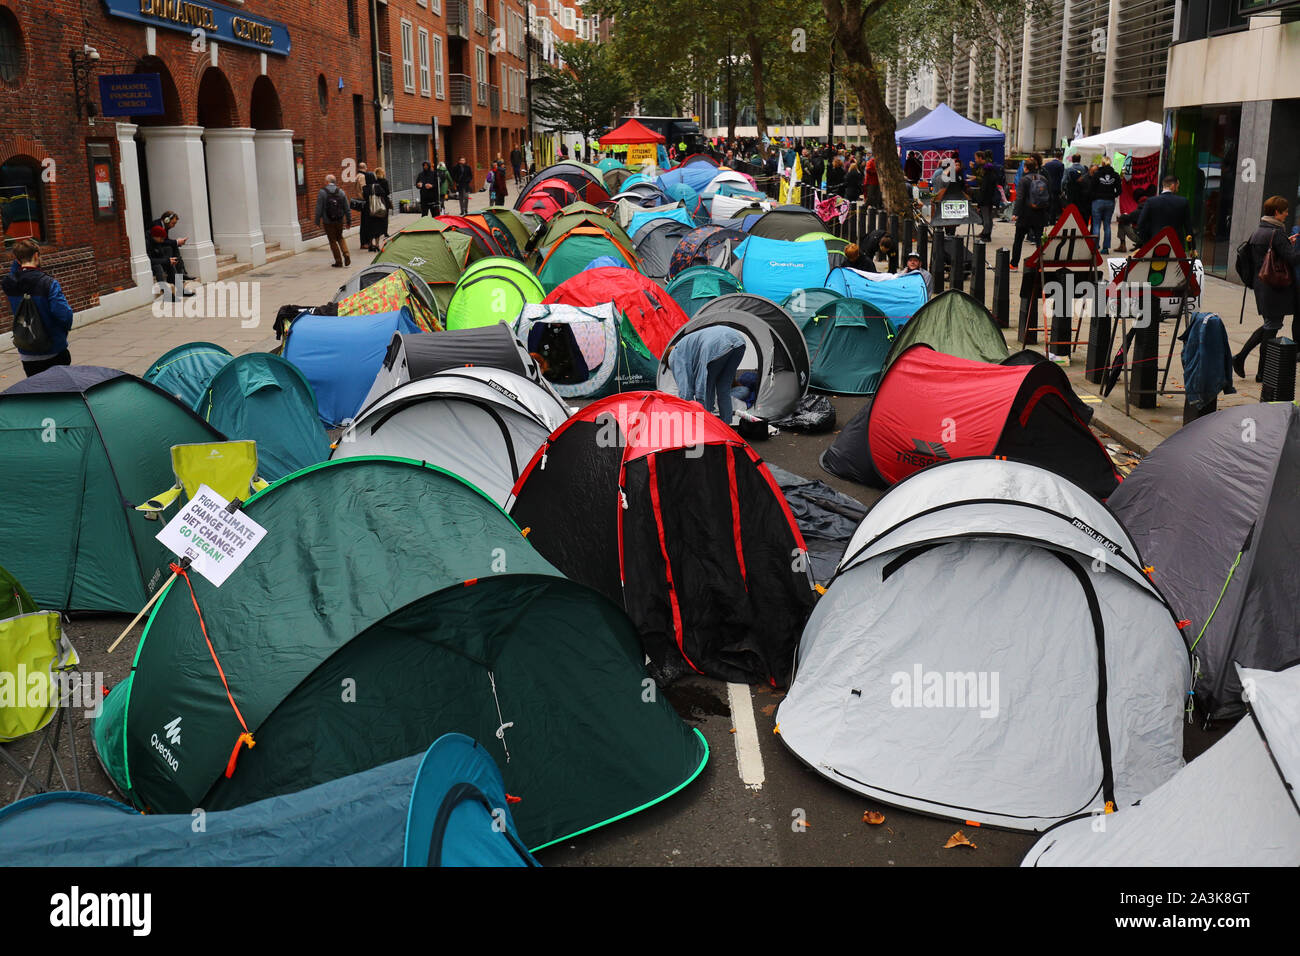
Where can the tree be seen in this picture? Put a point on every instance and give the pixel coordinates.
(583, 96)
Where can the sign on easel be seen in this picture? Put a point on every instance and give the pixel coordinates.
(1068, 246)
(215, 539)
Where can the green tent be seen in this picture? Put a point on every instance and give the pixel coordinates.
(956, 324)
(80, 447)
(492, 290)
(520, 226)
(389, 603)
(263, 397)
(695, 287)
(14, 599)
(187, 370)
(848, 340)
(577, 234)
(833, 242)
(802, 304)
(435, 251)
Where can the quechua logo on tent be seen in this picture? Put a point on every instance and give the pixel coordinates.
(172, 733)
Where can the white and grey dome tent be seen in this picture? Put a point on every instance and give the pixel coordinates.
(483, 424)
(990, 650)
(1234, 805)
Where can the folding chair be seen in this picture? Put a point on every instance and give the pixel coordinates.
(229, 468)
(33, 643)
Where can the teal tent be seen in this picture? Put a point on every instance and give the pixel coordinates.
(187, 370)
(802, 304)
(699, 285)
(388, 603)
(265, 398)
(848, 340)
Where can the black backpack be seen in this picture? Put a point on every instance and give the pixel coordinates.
(1245, 265)
(336, 206)
(1039, 195)
(30, 334)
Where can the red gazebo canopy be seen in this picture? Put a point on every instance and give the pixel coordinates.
(630, 133)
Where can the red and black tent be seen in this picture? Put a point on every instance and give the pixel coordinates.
(932, 407)
(657, 504)
(654, 314)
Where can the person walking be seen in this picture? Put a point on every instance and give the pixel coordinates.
(704, 366)
(427, 184)
(26, 283)
(835, 178)
(1053, 171)
(445, 185)
(1030, 211)
(1275, 298)
(499, 191)
(1106, 186)
(366, 233)
(1164, 211)
(333, 214)
(462, 177)
(986, 197)
(517, 164)
(871, 183)
(377, 196)
(853, 181)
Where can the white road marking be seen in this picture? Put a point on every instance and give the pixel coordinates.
(748, 756)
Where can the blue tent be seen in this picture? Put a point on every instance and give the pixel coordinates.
(943, 128)
(773, 268)
(601, 262)
(460, 814)
(681, 192)
(357, 820)
(639, 219)
(896, 296)
(340, 356)
(696, 172)
(263, 397)
(187, 370)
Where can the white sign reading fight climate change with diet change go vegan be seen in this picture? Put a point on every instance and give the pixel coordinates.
(215, 540)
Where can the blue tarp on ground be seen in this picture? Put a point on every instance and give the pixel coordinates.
(774, 268)
(263, 397)
(898, 297)
(943, 128)
(340, 356)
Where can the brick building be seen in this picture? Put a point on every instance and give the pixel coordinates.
(251, 108)
(460, 62)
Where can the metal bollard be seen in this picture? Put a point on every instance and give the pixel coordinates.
(906, 242)
(937, 263)
(923, 242)
(1031, 287)
(893, 233)
(1002, 288)
(957, 278)
(977, 271)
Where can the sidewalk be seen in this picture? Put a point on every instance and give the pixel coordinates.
(132, 340)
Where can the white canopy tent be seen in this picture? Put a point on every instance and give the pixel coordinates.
(1140, 139)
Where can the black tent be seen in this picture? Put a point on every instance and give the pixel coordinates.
(787, 223)
(656, 243)
(657, 504)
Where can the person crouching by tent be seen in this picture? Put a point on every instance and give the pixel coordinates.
(704, 366)
(913, 264)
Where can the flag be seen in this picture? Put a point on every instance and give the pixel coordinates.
(796, 177)
(1078, 127)
(782, 187)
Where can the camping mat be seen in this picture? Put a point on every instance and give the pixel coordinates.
(826, 518)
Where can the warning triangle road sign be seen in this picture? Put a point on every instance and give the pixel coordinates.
(1068, 246)
(1162, 265)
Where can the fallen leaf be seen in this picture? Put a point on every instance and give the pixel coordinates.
(958, 839)
(873, 817)
(769, 710)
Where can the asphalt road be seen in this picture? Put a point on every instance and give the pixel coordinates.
(794, 817)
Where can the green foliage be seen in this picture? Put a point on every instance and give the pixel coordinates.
(586, 94)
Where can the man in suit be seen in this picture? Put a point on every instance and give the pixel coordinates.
(1167, 209)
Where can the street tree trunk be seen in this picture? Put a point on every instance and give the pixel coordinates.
(760, 92)
(848, 21)
(731, 98)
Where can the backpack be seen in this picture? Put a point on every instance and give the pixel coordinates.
(1244, 264)
(336, 206)
(30, 334)
(1037, 194)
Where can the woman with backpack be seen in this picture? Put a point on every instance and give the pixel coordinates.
(377, 197)
(1273, 257)
(1033, 202)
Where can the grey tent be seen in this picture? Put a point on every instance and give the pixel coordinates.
(1214, 510)
(482, 424)
(1235, 805)
(920, 113)
(990, 650)
(786, 222)
(775, 350)
(413, 356)
(656, 243)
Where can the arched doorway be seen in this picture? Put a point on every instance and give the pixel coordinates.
(264, 109)
(216, 101)
(171, 116)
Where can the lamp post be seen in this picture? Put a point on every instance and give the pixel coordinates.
(83, 63)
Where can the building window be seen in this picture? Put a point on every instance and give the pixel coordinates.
(569, 18)
(354, 25)
(436, 7)
(423, 3)
(22, 200)
(11, 48)
(481, 74)
(322, 93)
(438, 89)
(424, 62)
(408, 58)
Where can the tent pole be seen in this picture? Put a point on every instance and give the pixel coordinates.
(143, 611)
